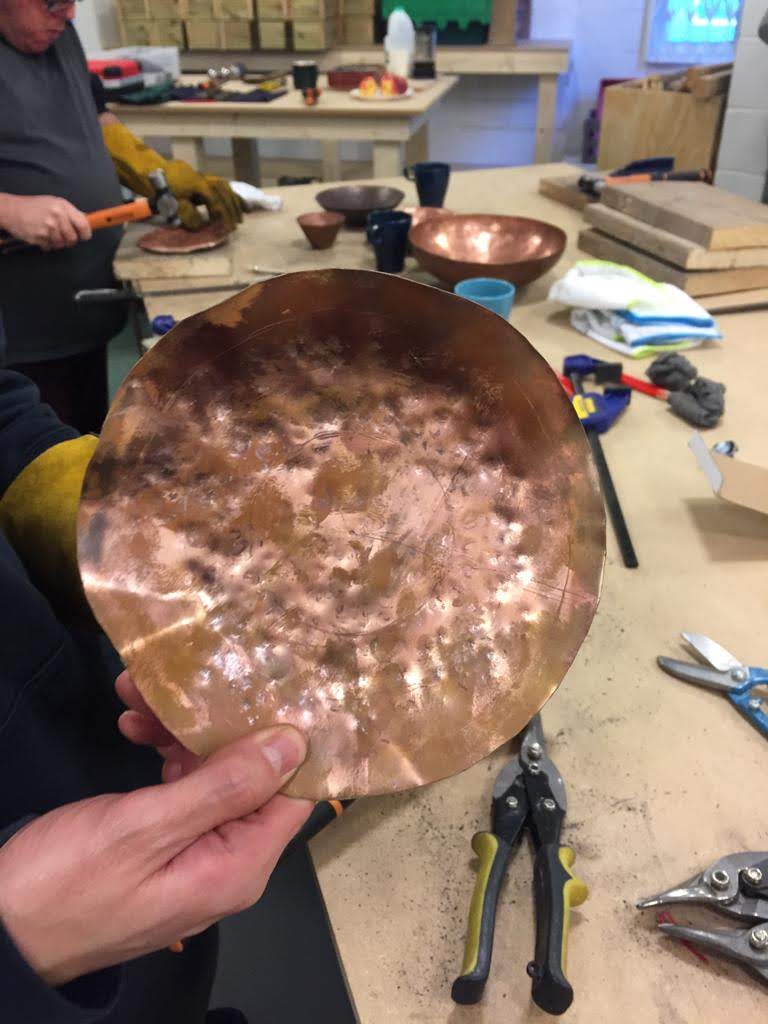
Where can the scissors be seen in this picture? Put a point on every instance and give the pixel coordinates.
(722, 671)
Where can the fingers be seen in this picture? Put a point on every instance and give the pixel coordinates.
(233, 864)
(144, 730)
(79, 222)
(128, 692)
(231, 784)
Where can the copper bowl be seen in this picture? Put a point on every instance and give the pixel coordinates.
(357, 201)
(517, 249)
(321, 228)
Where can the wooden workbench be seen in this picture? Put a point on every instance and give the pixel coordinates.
(544, 60)
(662, 777)
(388, 125)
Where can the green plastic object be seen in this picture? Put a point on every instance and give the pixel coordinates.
(440, 12)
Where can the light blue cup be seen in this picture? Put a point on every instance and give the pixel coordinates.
(490, 292)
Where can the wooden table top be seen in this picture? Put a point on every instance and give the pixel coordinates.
(332, 102)
(662, 778)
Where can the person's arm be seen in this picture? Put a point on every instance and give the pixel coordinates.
(133, 162)
(49, 222)
(42, 466)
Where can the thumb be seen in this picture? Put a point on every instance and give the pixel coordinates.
(231, 784)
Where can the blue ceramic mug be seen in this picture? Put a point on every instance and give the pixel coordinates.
(380, 217)
(431, 179)
(389, 239)
(490, 292)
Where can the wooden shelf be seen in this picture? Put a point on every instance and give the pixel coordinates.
(526, 58)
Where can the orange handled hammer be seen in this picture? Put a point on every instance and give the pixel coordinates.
(163, 202)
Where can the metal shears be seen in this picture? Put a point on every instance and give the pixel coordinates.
(722, 671)
(737, 886)
(528, 791)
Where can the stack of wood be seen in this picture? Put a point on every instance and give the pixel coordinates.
(705, 240)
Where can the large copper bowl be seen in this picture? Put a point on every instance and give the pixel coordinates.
(517, 249)
(357, 201)
(350, 502)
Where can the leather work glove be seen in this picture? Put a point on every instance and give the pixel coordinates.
(38, 514)
(134, 161)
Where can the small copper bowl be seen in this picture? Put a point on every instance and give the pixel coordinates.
(321, 228)
(357, 201)
(516, 249)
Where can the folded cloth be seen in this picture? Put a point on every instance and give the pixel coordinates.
(612, 329)
(629, 312)
(253, 198)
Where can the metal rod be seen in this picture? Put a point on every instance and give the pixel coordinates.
(611, 498)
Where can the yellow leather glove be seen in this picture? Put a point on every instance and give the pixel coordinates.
(38, 514)
(133, 162)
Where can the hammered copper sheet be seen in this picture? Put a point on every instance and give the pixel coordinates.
(354, 503)
(179, 241)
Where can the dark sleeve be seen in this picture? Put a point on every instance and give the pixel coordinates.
(27, 427)
(99, 93)
(24, 996)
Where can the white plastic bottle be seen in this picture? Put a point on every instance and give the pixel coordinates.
(400, 43)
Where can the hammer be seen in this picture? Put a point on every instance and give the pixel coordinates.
(163, 202)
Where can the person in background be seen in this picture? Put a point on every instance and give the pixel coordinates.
(102, 866)
(62, 155)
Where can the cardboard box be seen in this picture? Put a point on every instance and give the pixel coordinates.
(271, 10)
(197, 10)
(357, 29)
(148, 10)
(273, 35)
(234, 10)
(315, 9)
(315, 34)
(742, 483)
(237, 35)
(202, 35)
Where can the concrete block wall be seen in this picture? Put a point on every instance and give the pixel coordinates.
(743, 158)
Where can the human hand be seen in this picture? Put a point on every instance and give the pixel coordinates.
(108, 879)
(46, 221)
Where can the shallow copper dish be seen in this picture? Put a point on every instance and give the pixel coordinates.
(357, 201)
(178, 241)
(517, 249)
(354, 503)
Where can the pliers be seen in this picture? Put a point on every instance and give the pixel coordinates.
(727, 674)
(528, 791)
(736, 885)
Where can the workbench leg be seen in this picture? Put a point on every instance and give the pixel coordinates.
(245, 155)
(190, 150)
(331, 160)
(417, 147)
(545, 118)
(387, 159)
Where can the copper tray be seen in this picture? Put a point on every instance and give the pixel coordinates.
(354, 503)
(516, 249)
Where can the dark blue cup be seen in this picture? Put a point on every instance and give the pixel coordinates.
(380, 217)
(389, 239)
(431, 182)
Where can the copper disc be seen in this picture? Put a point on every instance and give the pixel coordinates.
(168, 241)
(353, 503)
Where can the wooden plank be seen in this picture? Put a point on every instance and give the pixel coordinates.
(694, 282)
(545, 118)
(701, 213)
(667, 246)
(736, 302)
(642, 122)
(503, 28)
(566, 190)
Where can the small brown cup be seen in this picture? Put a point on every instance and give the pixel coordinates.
(321, 228)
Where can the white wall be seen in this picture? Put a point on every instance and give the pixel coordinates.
(743, 157)
(96, 23)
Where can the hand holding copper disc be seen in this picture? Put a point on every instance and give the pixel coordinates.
(352, 503)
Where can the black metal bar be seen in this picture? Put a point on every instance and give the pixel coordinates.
(610, 496)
